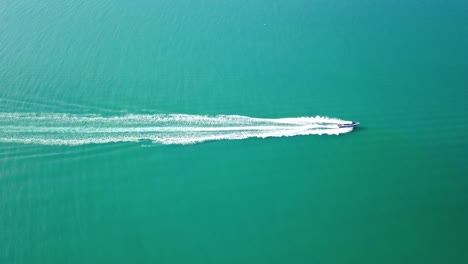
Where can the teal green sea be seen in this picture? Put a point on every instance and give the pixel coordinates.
(394, 190)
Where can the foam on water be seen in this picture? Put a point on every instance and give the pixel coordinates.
(72, 129)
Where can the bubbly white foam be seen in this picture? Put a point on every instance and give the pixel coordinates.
(72, 129)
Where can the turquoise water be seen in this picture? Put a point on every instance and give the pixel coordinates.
(394, 190)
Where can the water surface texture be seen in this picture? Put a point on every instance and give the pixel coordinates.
(102, 102)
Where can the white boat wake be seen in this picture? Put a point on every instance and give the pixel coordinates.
(71, 129)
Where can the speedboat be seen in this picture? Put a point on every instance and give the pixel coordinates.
(353, 124)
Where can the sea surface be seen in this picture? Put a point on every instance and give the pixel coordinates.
(204, 131)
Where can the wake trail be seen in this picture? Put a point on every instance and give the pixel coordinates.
(73, 129)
